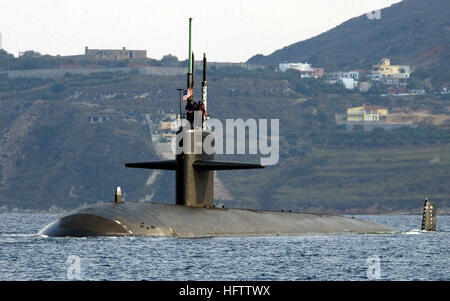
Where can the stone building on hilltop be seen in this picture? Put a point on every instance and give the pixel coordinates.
(116, 55)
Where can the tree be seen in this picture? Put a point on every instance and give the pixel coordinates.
(169, 60)
(31, 53)
(57, 88)
(4, 54)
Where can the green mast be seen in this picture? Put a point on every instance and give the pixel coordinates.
(190, 75)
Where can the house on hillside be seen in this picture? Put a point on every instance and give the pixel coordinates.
(340, 75)
(305, 69)
(366, 113)
(113, 54)
(102, 118)
(364, 86)
(392, 75)
(348, 79)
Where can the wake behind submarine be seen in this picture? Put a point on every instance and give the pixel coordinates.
(194, 214)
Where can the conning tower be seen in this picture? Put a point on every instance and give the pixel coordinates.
(194, 166)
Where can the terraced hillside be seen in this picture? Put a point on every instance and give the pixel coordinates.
(52, 156)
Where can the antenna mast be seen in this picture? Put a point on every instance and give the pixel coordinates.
(190, 80)
(204, 85)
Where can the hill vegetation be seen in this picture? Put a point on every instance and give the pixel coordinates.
(413, 32)
(52, 155)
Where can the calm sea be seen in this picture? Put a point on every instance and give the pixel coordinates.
(407, 255)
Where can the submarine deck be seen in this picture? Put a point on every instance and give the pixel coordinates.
(152, 219)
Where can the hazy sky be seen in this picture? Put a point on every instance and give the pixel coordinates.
(231, 30)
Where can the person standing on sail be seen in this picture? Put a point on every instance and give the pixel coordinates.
(190, 106)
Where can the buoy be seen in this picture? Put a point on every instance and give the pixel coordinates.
(429, 216)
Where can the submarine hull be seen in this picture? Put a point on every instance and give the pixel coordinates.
(165, 220)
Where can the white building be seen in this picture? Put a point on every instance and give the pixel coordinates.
(349, 83)
(341, 75)
(296, 66)
(376, 76)
(348, 79)
(305, 69)
(364, 86)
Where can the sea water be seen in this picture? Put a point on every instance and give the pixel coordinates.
(408, 254)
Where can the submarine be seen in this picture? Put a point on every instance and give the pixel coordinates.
(194, 213)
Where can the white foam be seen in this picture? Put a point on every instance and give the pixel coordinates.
(19, 235)
(413, 231)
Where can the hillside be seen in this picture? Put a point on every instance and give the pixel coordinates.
(50, 155)
(414, 32)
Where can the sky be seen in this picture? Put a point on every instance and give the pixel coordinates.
(227, 30)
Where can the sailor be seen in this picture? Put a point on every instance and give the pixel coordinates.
(190, 106)
(204, 114)
(198, 112)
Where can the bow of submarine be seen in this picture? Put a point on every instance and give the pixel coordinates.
(126, 219)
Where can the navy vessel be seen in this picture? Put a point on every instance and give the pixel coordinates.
(194, 213)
